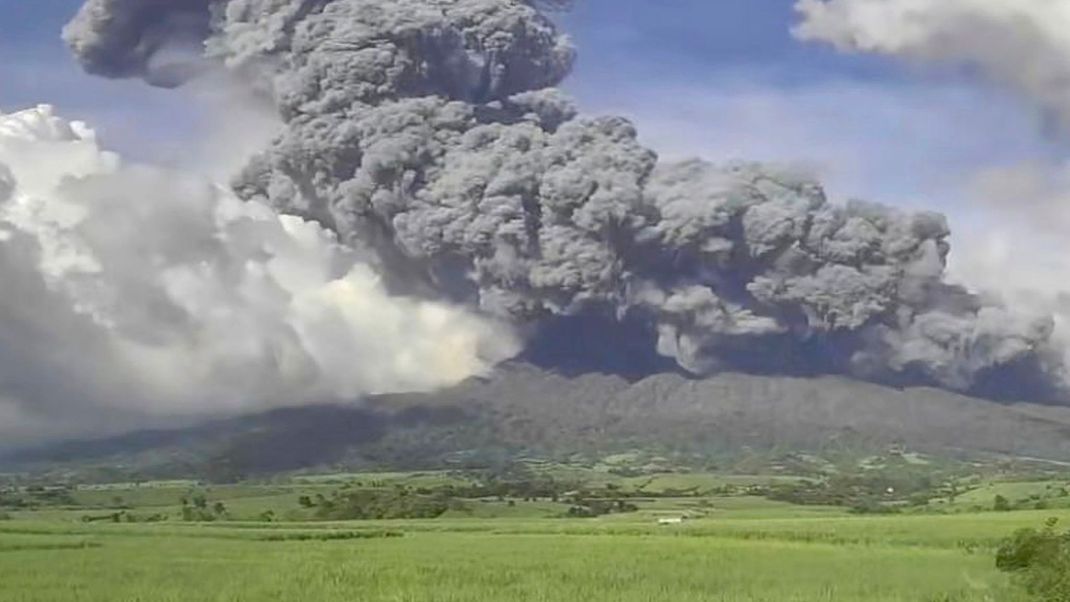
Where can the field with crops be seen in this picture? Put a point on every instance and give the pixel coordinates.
(263, 545)
(871, 559)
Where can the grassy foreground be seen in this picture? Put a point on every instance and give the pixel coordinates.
(872, 559)
(536, 538)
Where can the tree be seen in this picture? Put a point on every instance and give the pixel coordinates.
(1001, 504)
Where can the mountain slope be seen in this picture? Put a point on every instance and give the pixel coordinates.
(531, 408)
(524, 409)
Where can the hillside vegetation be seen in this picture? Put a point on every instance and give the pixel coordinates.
(523, 411)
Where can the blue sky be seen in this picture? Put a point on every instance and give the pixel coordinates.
(721, 79)
(726, 79)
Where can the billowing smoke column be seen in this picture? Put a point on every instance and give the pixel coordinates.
(429, 134)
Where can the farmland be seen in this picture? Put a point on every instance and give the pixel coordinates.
(270, 541)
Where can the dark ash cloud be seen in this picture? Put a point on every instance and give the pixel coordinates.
(430, 134)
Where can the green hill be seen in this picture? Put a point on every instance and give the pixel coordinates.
(525, 412)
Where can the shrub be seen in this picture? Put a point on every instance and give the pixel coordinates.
(1040, 561)
(366, 504)
(1001, 504)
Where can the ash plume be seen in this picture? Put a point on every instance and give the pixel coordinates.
(429, 134)
(127, 38)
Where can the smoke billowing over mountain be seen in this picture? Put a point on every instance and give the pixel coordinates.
(429, 135)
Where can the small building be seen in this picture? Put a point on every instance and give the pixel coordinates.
(676, 520)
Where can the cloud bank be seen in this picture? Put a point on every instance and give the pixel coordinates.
(1021, 44)
(134, 294)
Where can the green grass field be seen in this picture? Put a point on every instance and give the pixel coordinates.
(735, 548)
(872, 559)
(485, 566)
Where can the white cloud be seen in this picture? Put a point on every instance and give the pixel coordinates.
(136, 292)
(1017, 244)
(1021, 44)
